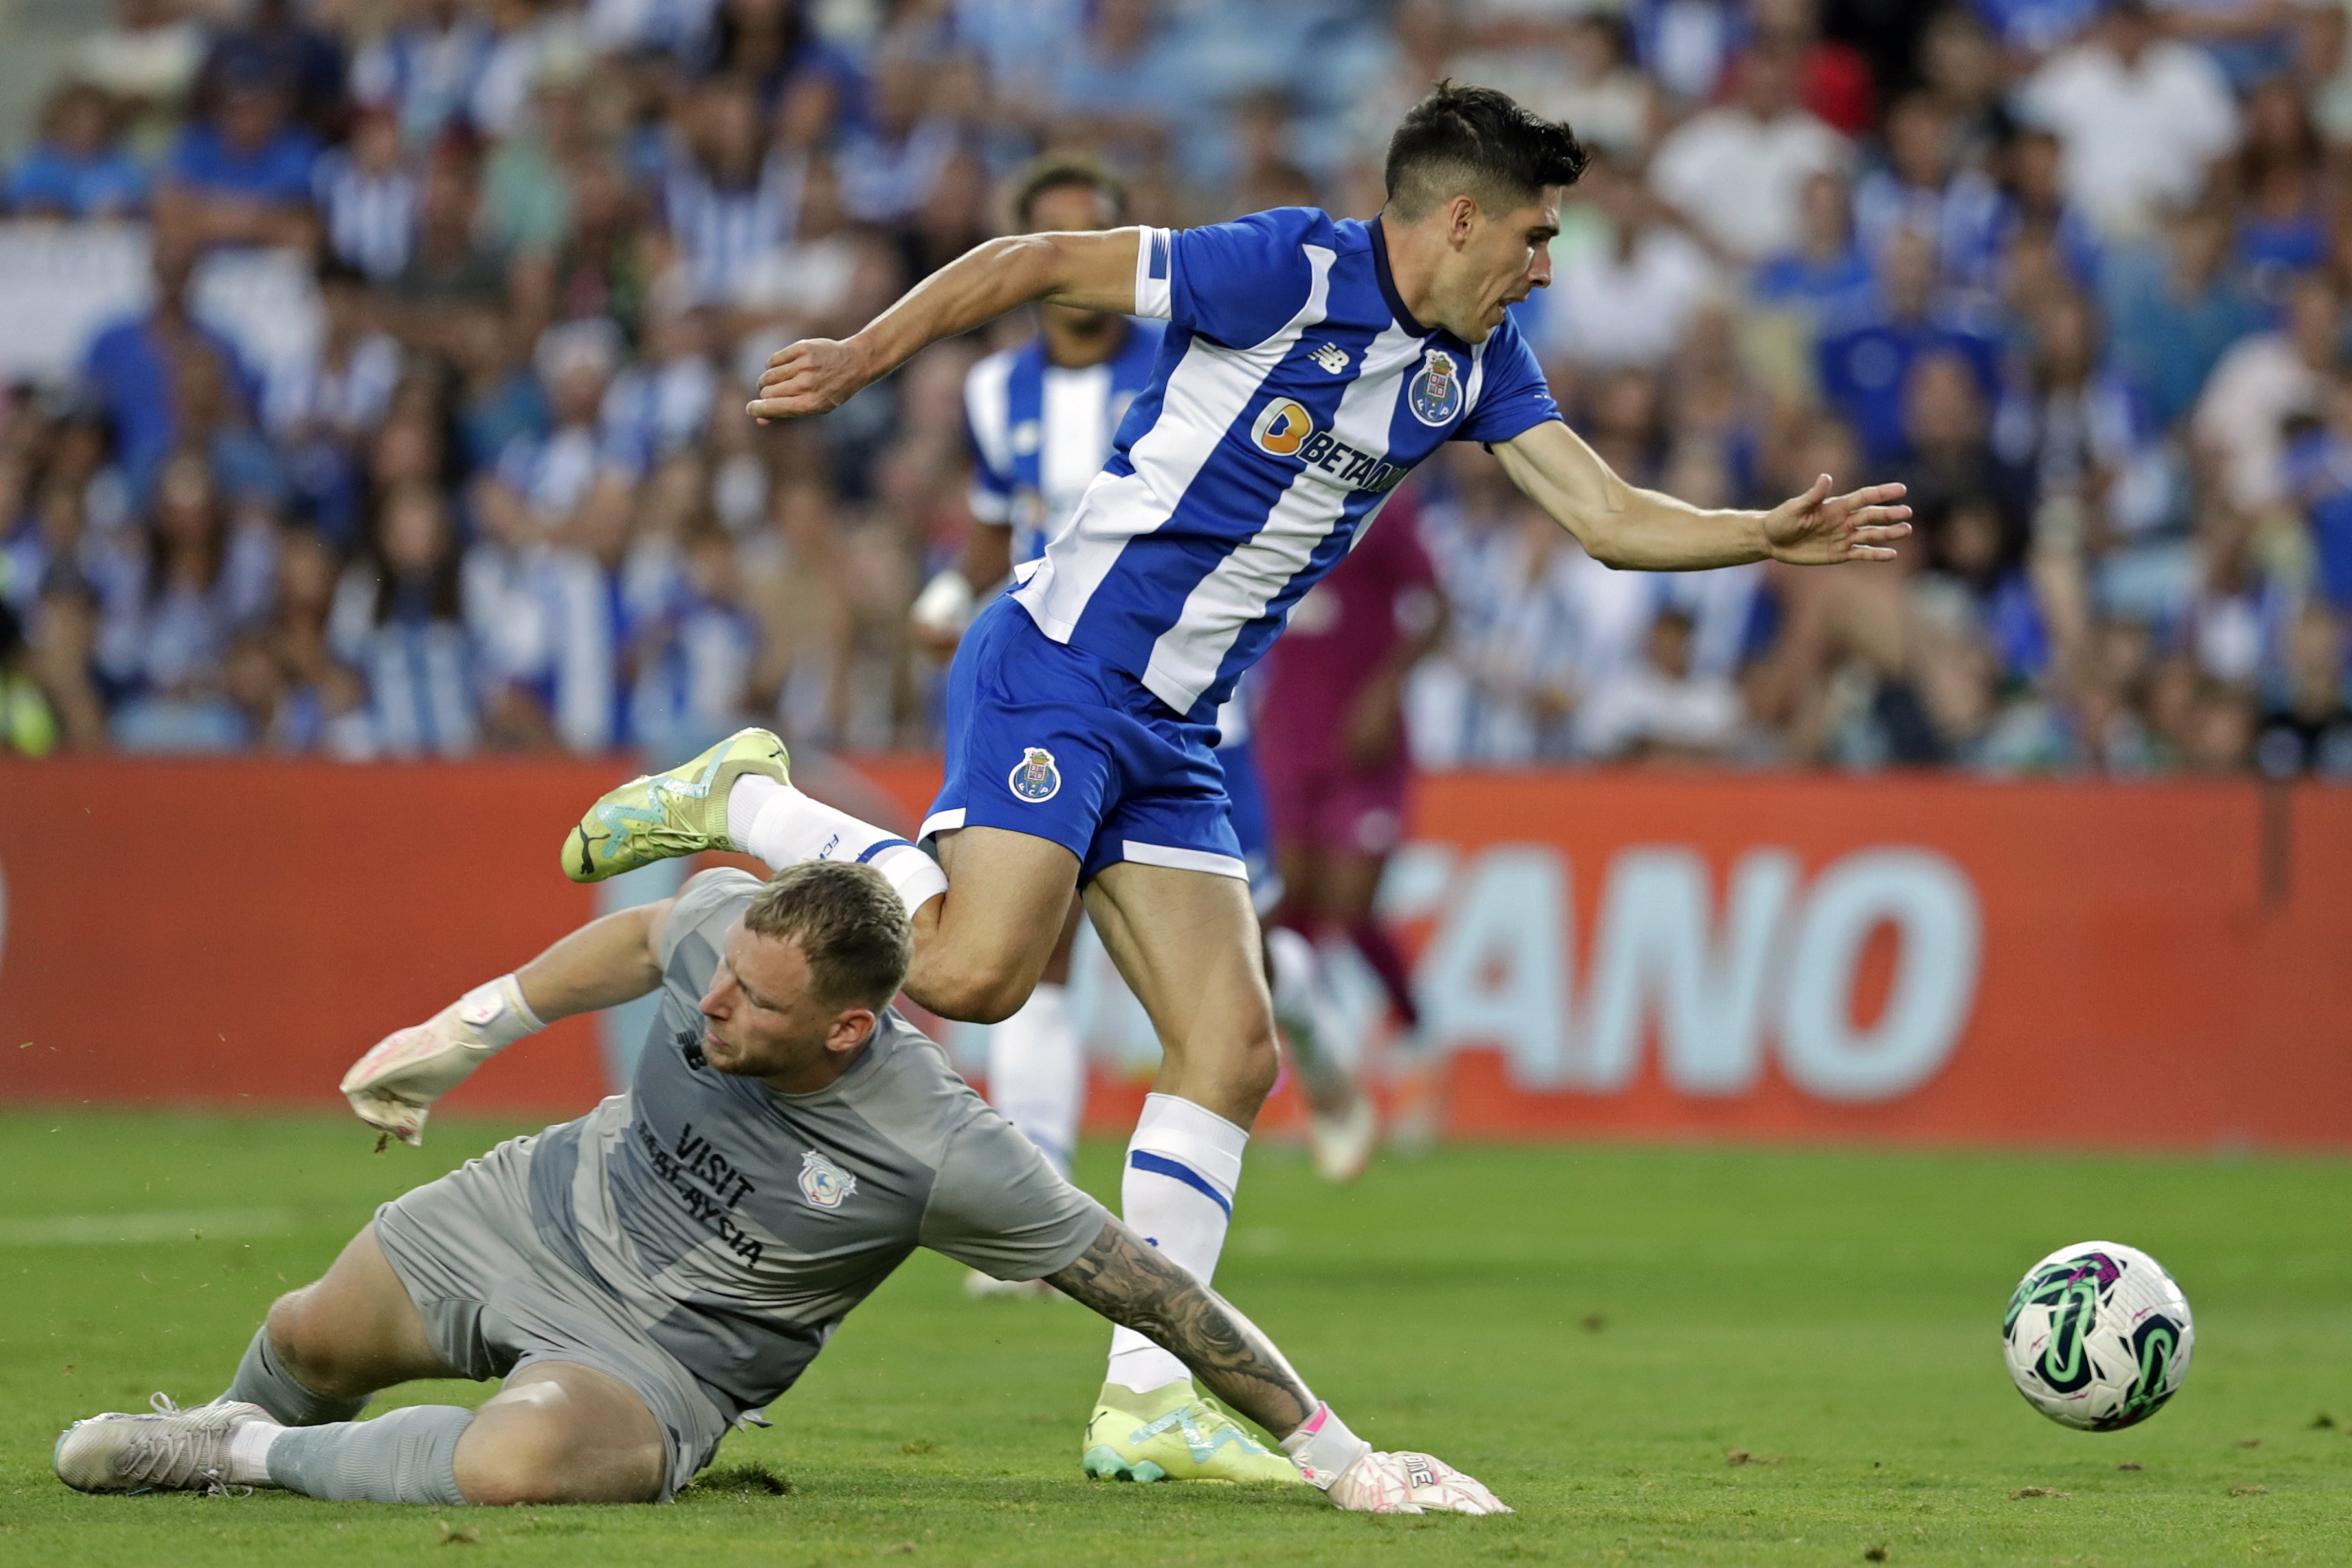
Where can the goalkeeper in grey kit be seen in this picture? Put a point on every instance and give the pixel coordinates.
(668, 1264)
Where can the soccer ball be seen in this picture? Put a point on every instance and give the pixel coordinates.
(2098, 1336)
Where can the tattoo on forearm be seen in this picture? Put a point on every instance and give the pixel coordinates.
(1126, 1279)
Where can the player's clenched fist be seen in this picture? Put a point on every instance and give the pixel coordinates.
(815, 375)
(394, 1085)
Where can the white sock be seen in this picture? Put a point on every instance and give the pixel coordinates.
(1303, 1008)
(1038, 1073)
(784, 826)
(1298, 1003)
(1182, 1166)
(248, 1453)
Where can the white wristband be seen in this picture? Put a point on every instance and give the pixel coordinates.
(497, 1013)
(1323, 1448)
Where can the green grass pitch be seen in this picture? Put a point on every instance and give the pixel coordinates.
(1659, 1355)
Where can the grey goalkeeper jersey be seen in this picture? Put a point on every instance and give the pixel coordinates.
(739, 1225)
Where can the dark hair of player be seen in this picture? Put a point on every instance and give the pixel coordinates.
(1055, 171)
(1478, 142)
(847, 922)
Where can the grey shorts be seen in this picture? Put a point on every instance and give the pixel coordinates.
(495, 1298)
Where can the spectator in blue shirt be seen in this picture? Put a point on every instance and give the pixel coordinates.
(1688, 44)
(2282, 178)
(2172, 313)
(2034, 202)
(130, 369)
(75, 170)
(1119, 88)
(203, 581)
(276, 44)
(1828, 280)
(243, 176)
(1863, 371)
(1923, 189)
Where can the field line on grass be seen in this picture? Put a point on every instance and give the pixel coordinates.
(108, 1229)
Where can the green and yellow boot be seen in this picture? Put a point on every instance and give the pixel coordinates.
(1172, 1434)
(663, 815)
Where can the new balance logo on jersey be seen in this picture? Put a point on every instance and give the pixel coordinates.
(1284, 429)
(1332, 357)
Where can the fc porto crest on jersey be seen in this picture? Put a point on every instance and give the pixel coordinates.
(1036, 779)
(822, 1183)
(1435, 393)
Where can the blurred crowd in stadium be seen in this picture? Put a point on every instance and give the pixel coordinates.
(2075, 271)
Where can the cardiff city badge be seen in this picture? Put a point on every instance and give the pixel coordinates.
(1035, 778)
(1436, 394)
(822, 1183)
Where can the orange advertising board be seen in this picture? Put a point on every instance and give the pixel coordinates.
(1777, 956)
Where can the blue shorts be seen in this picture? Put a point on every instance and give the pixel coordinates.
(1247, 794)
(1052, 741)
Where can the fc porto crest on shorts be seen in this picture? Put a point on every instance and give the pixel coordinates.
(822, 1183)
(1435, 395)
(1035, 778)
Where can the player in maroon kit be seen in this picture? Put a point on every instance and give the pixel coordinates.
(1331, 744)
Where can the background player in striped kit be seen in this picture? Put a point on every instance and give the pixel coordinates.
(1311, 364)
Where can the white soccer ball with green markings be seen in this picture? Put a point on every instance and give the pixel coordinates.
(2098, 1336)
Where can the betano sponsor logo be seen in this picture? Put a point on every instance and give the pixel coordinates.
(1284, 429)
(1776, 974)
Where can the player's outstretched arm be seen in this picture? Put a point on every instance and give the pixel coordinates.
(1127, 1281)
(604, 964)
(1093, 271)
(1622, 526)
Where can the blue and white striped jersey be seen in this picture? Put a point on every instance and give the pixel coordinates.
(1294, 391)
(1039, 433)
(722, 233)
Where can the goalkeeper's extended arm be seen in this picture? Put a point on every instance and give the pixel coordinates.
(604, 964)
(1127, 1280)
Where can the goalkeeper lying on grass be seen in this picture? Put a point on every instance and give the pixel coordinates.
(667, 1264)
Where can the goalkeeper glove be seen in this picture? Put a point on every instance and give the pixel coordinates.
(1362, 1480)
(394, 1085)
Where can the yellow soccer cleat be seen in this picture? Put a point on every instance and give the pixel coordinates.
(680, 812)
(1172, 1434)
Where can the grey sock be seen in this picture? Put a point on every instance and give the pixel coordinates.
(262, 1379)
(403, 1455)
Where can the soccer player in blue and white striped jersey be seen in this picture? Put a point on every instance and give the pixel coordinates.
(1309, 364)
(1040, 419)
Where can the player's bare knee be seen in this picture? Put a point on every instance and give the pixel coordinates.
(968, 992)
(306, 1344)
(1257, 1065)
(1242, 1069)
